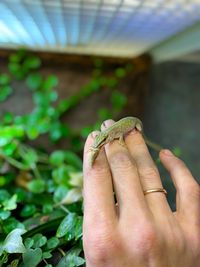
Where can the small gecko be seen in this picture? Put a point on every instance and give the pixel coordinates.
(115, 131)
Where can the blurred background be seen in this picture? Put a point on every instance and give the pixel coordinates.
(65, 66)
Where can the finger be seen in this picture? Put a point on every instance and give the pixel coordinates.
(97, 186)
(188, 190)
(148, 173)
(126, 181)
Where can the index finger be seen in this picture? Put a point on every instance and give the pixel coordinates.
(97, 186)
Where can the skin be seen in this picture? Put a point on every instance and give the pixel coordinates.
(141, 231)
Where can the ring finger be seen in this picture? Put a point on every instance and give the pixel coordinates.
(148, 172)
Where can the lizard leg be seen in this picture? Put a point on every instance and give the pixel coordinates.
(94, 149)
(93, 155)
(121, 140)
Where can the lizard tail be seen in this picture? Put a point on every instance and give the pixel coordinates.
(152, 144)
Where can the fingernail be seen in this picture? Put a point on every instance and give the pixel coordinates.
(167, 152)
(107, 123)
(104, 124)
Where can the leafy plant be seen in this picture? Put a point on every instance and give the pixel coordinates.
(41, 193)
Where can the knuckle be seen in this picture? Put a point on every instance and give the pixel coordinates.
(99, 245)
(146, 241)
(194, 188)
(96, 173)
(149, 173)
(193, 242)
(121, 160)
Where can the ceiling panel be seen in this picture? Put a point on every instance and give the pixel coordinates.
(110, 27)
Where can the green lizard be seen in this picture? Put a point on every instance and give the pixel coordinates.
(117, 131)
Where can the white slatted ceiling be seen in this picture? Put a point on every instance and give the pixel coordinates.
(113, 27)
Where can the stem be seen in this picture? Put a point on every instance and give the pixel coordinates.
(2, 261)
(15, 163)
(36, 173)
(62, 252)
(45, 262)
(63, 208)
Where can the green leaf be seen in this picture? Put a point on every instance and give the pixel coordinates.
(72, 159)
(53, 96)
(70, 227)
(32, 62)
(60, 193)
(57, 157)
(71, 259)
(85, 131)
(37, 186)
(46, 255)
(2, 181)
(39, 240)
(78, 227)
(52, 242)
(4, 195)
(67, 225)
(47, 208)
(63, 106)
(8, 118)
(11, 224)
(120, 72)
(104, 114)
(177, 151)
(4, 79)
(32, 257)
(14, 67)
(13, 242)
(32, 132)
(28, 242)
(118, 100)
(111, 82)
(50, 82)
(30, 158)
(4, 214)
(58, 130)
(28, 210)
(34, 81)
(5, 92)
(76, 179)
(7, 133)
(72, 196)
(61, 175)
(10, 204)
(14, 58)
(9, 149)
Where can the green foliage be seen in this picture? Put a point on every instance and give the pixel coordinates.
(40, 192)
(5, 91)
(70, 227)
(13, 242)
(32, 257)
(71, 259)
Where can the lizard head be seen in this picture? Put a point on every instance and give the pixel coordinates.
(100, 139)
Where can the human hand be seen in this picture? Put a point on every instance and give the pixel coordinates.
(141, 231)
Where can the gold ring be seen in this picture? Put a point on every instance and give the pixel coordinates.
(155, 190)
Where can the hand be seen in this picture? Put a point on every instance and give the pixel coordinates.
(141, 231)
